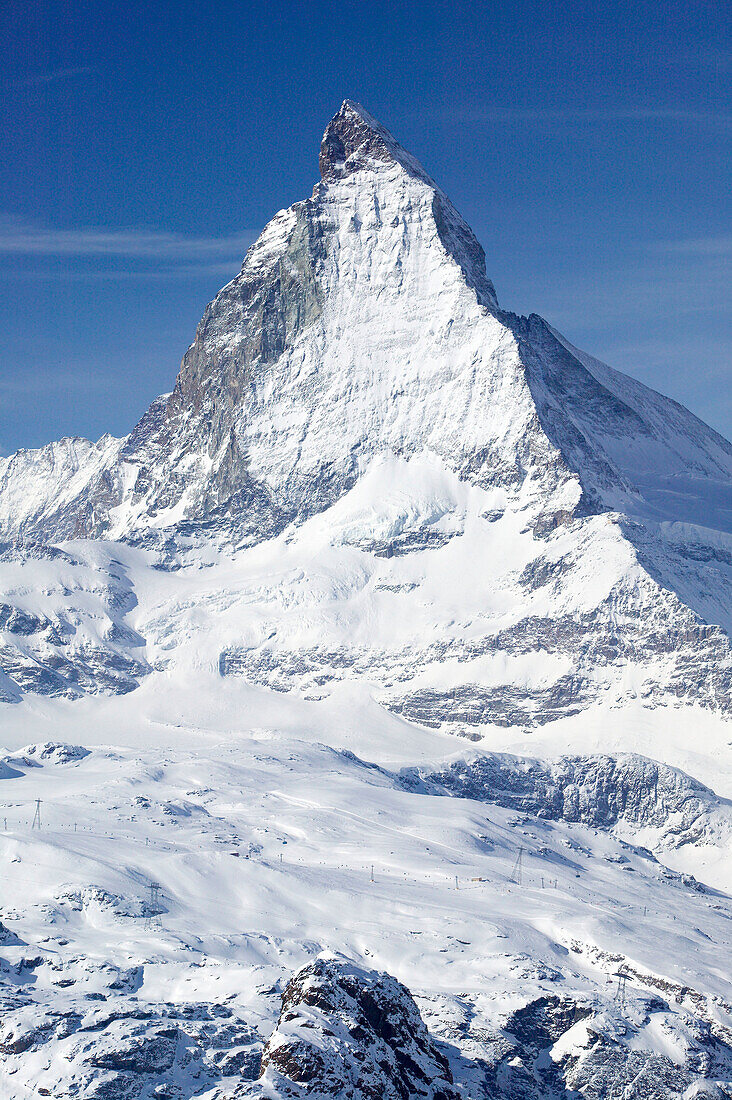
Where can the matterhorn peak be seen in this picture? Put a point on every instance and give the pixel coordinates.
(354, 140)
(356, 144)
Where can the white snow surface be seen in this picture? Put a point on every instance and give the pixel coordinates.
(269, 849)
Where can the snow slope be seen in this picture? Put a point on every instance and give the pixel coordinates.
(269, 850)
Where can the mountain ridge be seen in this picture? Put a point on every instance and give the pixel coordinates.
(365, 147)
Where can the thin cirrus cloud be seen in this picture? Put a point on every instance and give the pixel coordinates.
(160, 253)
(50, 76)
(44, 380)
(699, 246)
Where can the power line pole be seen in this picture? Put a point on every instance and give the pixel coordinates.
(153, 907)
(517, 868)
(619, 998)
(37, 815)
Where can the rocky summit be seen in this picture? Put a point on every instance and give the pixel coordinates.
(365, 712)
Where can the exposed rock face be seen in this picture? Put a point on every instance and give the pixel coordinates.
(354, 141)
(356, 1034)
(555, 1046)
(351, 1033)
(49, 752)
(347, 1032)
(679, 657)
(602, 791)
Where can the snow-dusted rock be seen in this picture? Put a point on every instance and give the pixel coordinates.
(628, 791)
(348, 1032)
(127, 1051)
(50, 752)
(363, 322)
(278, 850)
(64, 623)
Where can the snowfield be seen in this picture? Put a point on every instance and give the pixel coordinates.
(269, 850)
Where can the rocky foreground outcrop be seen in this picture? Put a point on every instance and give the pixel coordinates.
(345, 1031)
(350, 1032)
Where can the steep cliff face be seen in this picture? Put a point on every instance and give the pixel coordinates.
(360, 325)
(628, 793)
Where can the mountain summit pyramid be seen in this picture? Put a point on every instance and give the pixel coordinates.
(462, 511)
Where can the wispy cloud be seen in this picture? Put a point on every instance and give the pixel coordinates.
(44, 380)
(698, 246)
(222, 269)
(103, 254)
(22, 240)
(682, 115)
(50, 76)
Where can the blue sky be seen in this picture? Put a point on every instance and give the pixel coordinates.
(145, 146)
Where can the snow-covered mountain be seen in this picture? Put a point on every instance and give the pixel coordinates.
(440, 483)
(362, 324)
(378, 515)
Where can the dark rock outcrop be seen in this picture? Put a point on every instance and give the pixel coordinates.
(600, 791)
(345, 1031)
